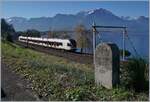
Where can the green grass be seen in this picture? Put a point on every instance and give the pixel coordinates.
(55, 78)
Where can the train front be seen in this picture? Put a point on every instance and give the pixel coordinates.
(73, 44)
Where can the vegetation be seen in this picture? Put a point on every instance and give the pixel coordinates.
(135, 74)
(30, 33)
(82, 37)
(127, 53)
(58, 34)
(56, 78)
(7, 31)
(9, 34)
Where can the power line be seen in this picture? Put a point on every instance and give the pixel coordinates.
(111, 30)
(132, 45)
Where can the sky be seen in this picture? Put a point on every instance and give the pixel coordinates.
(31, 9)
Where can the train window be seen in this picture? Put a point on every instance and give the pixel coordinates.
(68, 44)
(55, 43)
(22, 39)
(49, 43)
(60, 44)
(73, 42)
(46, 42)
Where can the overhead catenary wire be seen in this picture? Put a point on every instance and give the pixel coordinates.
(94, 26)
(132, 45)
(97, 33)
(103, 29)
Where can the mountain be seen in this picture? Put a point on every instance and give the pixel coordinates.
(69, 21)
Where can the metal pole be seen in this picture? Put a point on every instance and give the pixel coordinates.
(123, 56)
(27, 39)
(94, 33)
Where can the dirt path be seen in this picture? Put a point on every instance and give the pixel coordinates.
(14, 87)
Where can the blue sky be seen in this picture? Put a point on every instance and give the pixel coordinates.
(30, 9)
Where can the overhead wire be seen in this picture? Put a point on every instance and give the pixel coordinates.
(132, 44)
(130, 41)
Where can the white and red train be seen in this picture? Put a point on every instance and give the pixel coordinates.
(65, 44)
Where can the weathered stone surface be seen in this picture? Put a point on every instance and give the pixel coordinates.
(107, 62)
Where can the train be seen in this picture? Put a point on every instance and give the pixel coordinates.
(64, 44)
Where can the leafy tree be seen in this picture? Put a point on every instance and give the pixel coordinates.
(7, 30)
(82, 37)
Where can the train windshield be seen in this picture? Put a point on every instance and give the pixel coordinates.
(68, 44)
(73, 43)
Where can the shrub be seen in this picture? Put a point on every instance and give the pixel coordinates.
(133, 74)
(127, 53)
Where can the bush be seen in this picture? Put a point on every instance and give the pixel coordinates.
(127, 53)
(133, 74)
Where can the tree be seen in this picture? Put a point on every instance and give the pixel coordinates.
(7, 31)
(30, 33)
(82, 37)
(33, 33)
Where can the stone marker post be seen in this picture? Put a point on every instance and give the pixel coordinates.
(107, 62)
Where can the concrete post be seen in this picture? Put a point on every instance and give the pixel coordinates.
(107, 63)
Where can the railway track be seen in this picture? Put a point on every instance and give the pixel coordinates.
(76, 57)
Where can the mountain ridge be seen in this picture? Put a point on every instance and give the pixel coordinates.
(70, 21)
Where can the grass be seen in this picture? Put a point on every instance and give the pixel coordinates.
(55, 78)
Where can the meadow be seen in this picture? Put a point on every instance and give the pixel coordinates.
(55, 78)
